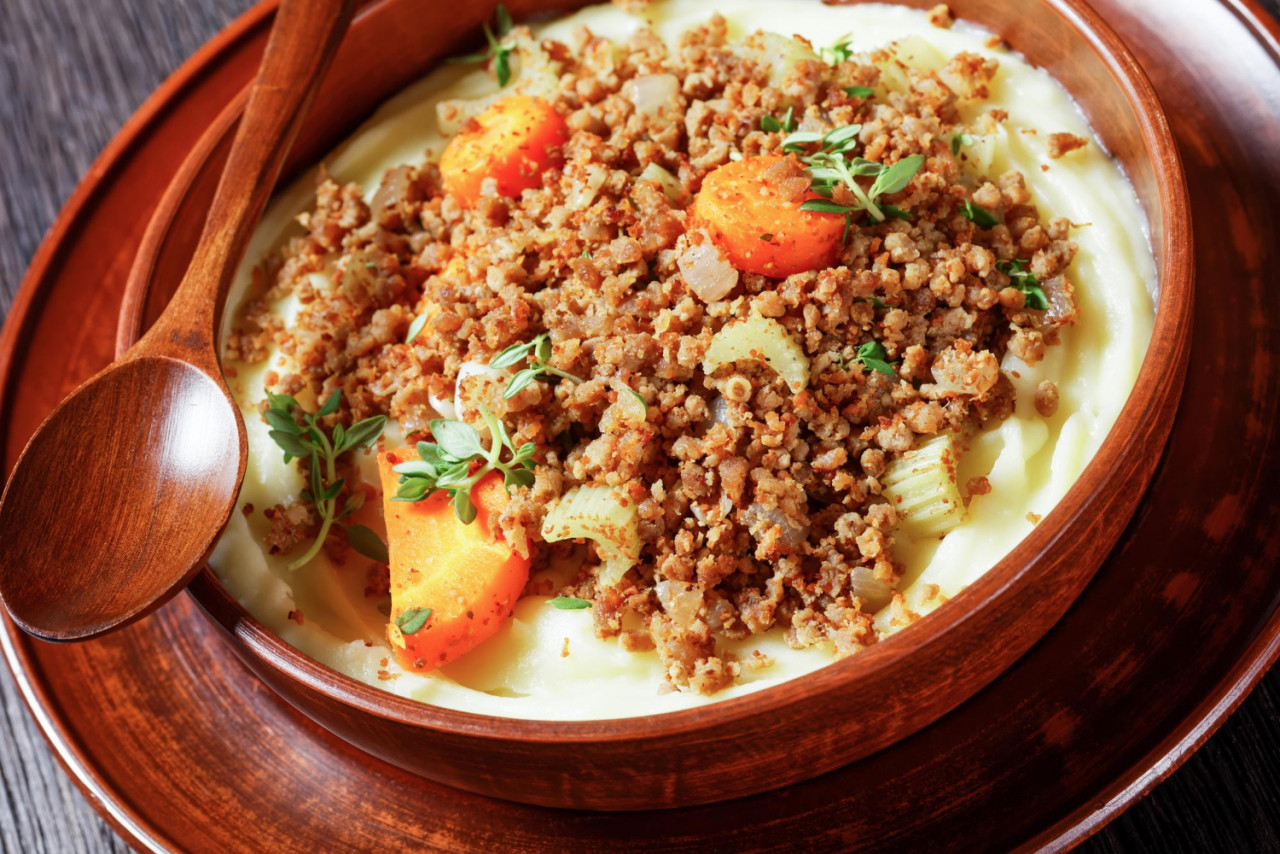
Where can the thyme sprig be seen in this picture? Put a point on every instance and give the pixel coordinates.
(978, 215)
(1024, 280)
(449, 464)
(874, 357)
(830, 166)
(411, 621)
(839, 52)
(307, 441)
(569, 603)
(786, 124)
(538, 353)
(499, 50)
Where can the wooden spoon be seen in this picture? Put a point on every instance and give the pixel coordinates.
(119, 497)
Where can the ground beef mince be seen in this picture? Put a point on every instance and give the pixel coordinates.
(757, 505)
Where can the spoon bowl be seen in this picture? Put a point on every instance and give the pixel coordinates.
(118, 498)
(89, 542)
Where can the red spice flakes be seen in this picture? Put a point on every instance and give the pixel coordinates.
(296, 616)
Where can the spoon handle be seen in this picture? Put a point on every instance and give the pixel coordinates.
(303, 39)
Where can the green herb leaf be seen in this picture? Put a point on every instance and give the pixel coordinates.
(367, 543)
(415, 328)
(463, 507)
(769, 124)
(291, 444)
(519, 381)
(414, 489)
(640, 397)
(517, 477)
(282, 422)
(897, 177)
(841, 134)
(282, 402)
(332, 490)
(456, 438)
(513, 355)
(801, 138)
(873, 355)
(469, 58)
(502, 20)
(457, 468)
(331, 405)
(978, 215)
(355, 501)
(1025, 281)
(364, 433)
(866, 168)
(498, 50)
(859, 91)
(896, 213)
(502, 66)
(538, 352)
(959, 140)
(321, 452)
(411, 620)
(569, 603)
(838, 52)
(824, 206)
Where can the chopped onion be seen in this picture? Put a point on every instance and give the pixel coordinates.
(652, 93)
(707, 271)
(629, 410)
(719, 411)
(681, 601)
(671, 186)
(873, 592)
(586, 184)
(793, 532)
(763, 339)
(781, 53)
(1062, 305)
(443, 406)
(468, 396)
(604, 515)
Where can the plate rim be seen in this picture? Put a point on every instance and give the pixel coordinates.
(1204, 718)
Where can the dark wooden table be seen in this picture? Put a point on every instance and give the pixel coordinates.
(71, 71)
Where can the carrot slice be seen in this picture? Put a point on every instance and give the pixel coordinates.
(759, 230)
(513, 142)
(469, 580)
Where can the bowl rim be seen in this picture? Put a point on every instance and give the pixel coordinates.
(1165, 357)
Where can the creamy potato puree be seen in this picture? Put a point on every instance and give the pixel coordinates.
(1030, 461)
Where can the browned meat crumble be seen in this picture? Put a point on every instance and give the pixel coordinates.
(756, 504)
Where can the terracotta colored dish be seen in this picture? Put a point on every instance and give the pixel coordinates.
(180, 747)
(680, 758)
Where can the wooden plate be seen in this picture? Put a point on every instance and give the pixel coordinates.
(900, 685)
(180, 747)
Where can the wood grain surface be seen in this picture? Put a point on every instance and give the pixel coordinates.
(71, 71)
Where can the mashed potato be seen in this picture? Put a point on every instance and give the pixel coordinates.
(547, 663)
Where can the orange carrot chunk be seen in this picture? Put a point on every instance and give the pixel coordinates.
(761, 231)
(513, 142)
(469, 580)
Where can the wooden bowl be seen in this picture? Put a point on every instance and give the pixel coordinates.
(805, 727)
